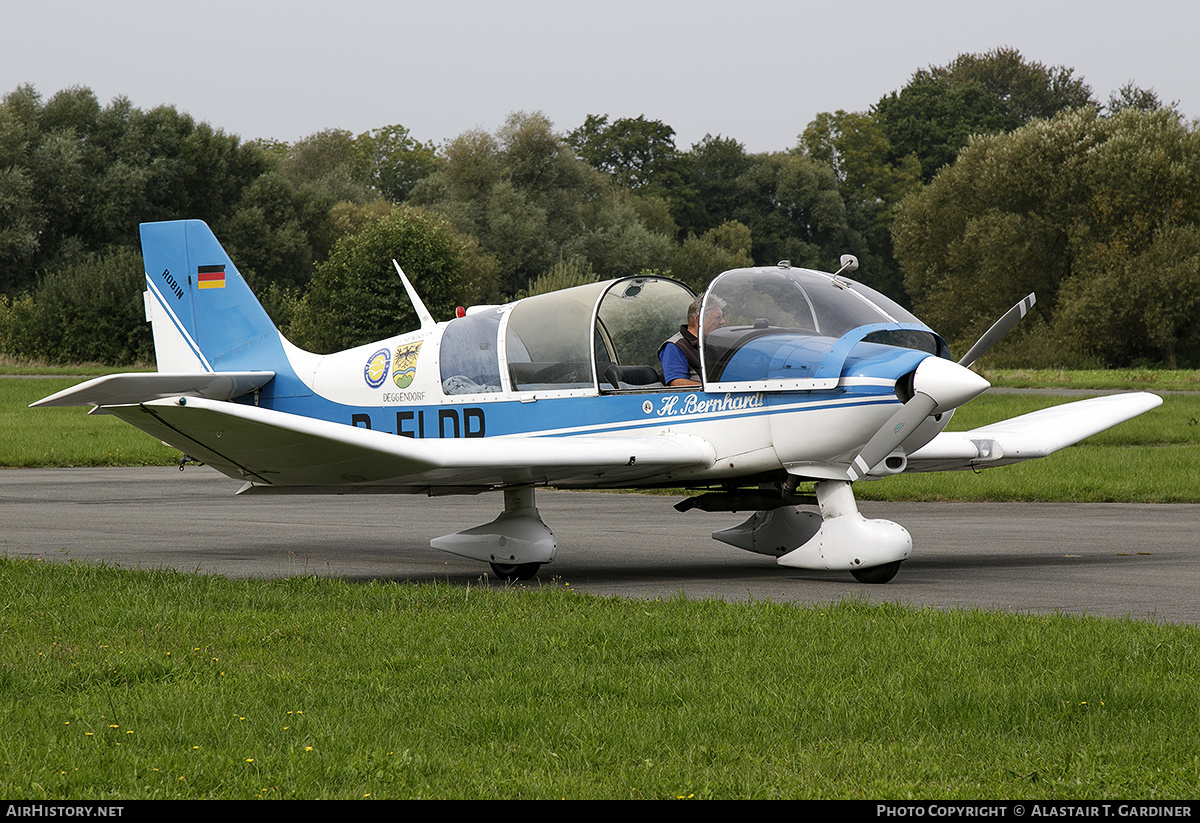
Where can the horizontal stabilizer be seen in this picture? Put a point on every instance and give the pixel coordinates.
(283, 450)
(1029, 436)
(124, 389)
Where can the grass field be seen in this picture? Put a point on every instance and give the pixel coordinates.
(125, 685)
(1102, 379)
(151, 684)
(8, 366)
(1150, 459)
(67, 436)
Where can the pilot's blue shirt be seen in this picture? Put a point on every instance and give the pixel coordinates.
(674, 364)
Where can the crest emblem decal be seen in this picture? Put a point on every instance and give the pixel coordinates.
(376, 370)
(404, 367)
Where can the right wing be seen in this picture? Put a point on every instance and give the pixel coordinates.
(1029, 436)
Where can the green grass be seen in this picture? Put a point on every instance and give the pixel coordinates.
(67, 436)
(153, 684)
(1149, 459)
(9, 365)
(1118, 379)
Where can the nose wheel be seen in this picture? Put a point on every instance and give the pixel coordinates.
(871, 550)
(877, 574)
(519, 571)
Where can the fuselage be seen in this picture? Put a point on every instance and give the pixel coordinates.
(785, 398)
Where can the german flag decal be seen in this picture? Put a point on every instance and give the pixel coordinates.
(211, 277)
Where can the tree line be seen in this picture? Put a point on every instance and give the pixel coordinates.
(976, 182)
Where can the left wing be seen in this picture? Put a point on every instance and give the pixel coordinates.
(276, 451)
(114, 389)
(1029, 436)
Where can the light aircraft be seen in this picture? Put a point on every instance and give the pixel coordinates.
(813, 382)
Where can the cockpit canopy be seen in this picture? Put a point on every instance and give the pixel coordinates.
(548, 345)
(601, 336)
(782, 328)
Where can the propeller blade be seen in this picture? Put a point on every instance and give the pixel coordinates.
(1000, 328)
(938, 385)
(885, 441)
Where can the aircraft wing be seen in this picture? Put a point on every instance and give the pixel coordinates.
(1029, 436)
(115, 389)
(275, 451)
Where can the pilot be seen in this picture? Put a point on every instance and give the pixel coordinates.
(680, 355)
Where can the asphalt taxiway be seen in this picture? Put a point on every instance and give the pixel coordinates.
(1140, 561)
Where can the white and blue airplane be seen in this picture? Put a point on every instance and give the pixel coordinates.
(812, 383)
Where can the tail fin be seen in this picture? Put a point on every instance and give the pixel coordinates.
(205, 317)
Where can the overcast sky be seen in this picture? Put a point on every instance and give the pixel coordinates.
(754, 70)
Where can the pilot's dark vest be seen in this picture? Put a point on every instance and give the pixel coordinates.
(688, 344)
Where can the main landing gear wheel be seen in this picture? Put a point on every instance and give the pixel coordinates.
(877, 574)
(519, 571)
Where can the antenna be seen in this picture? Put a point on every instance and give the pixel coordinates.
(427, 321)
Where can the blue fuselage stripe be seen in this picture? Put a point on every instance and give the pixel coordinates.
(594, 415)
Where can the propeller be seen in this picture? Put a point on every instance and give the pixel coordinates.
(936, 385)
(1000, 328)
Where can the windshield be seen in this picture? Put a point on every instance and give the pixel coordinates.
(779, 325)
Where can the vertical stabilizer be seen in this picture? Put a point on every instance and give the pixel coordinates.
(205, 317)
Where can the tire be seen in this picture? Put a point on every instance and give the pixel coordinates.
(877, 574)
(516, 571)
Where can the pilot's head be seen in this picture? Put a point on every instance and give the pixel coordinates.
(714, 317)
